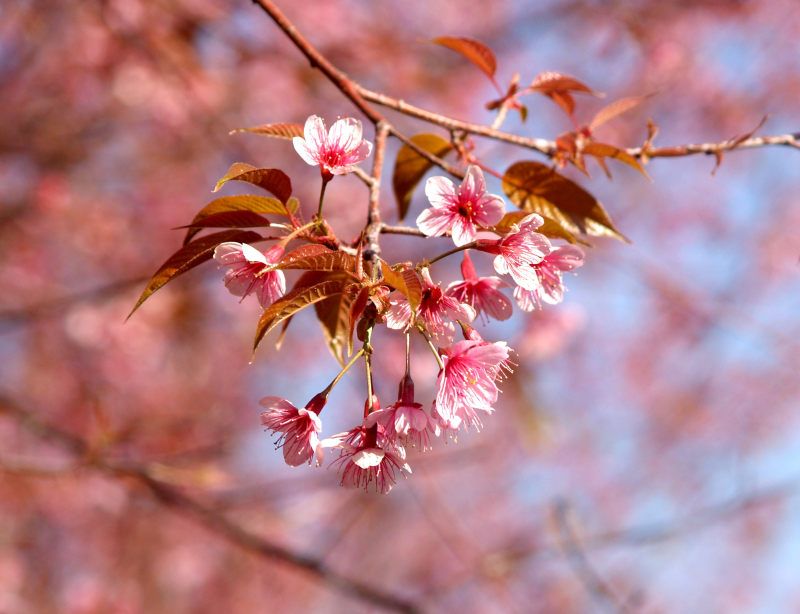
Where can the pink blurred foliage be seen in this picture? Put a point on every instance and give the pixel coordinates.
(663, 385)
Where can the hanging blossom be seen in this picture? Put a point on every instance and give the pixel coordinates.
(406, 421)
(550, 288)
(519, 250)
(337, 151)
(369, 458)
(481, 293)
(437, 311)
(299, 428)
(251, 271)
(467, 383)
(461, 211)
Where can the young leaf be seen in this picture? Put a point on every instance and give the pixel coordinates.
(410, 167)
(190, 256)
(405, 281)
(550, 228)
(294, 301)
(317, 258)
(603, 150)
(245, 202)
(614, 109)
(230, 219)
(558, 87)
(281, 131)
(356, 309)
(477, 53)
(271, 179)
(537, 188)
(334, 315)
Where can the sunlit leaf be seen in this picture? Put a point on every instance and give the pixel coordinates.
(318, 258)
(604, 150)
(244, 202)
(190, 256)
(405, 281)
(410, 167)
(333, 314)
(558, 86)
(550, 228)
(536, 188)
(281, 131)
(230, 219)
(297, 299)
(477, 53)
(616, 108)
(273, 180)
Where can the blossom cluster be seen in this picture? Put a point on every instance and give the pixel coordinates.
(373, 454)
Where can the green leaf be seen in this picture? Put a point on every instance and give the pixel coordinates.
(410, 167)
(536, 188)
(245, 202)
(190, 256)
(281, 131)
(476, 52)
(300, 297)
(272, 180)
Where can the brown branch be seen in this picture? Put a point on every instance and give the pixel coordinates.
(401, 230)
(788, 140)
(212, 520)
(373, 229)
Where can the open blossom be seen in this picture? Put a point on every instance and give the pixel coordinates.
(519, 250)
(467, 383)
(461, 210)
(369, 459)
(405, 420)
(299, 428)
(436, 311)
(550, 288)
(337, 151)
(481, 293)
(250, 271)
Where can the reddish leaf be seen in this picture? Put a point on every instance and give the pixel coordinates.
(477, 53)
(356, 309)
(405, 281)
(245, 202)
(297, 299)
(616, 108)
(557, 86)
(410, 167)
(318, 258)
(271, 179)
(190, 256)
(230, 219)
(281, 131)
(333, 314)
(603, 150)
(537, 188)
(550, 228)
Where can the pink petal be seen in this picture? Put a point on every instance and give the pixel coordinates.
(440, 192)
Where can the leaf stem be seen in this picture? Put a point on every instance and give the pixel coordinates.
(433, 348)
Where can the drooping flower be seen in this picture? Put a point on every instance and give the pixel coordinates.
(550, 288)
(251, 271)
(436, 311)
(519, 250)
(461, 211)
(406, 421)
(467, 383)
(337, 151)
(481, 293)
(369, 459)
(299, 428)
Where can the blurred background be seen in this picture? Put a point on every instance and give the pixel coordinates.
(644, 456)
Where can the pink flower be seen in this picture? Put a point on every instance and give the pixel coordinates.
(519, 250)
(436, 311)
(369, 459)
(550, 287)
(467, 382)
(405, 421)
(481, 293)
(337, 151)
(300, 428)
(251, 271)
(460, 211)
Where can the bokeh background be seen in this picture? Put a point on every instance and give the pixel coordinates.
(644, 455)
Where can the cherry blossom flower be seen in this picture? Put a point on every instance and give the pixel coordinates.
(481, 293)
(299, 428)
(337, 151)
(436, 311)
(519, 250)
(251, 271)
(467, 383)
(550, 288)
(405, 420)
(369, 459)
(461, 210)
